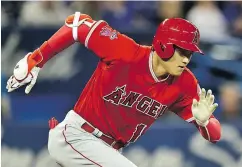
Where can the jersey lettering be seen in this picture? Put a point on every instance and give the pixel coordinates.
(130, 99)
(137, 133)
(161, 111)
(116, 95)
(153, 111)
(142, 103)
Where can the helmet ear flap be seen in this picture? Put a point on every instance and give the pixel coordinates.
(169, 51)
(165, 51)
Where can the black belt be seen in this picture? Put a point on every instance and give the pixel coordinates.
(107, 139)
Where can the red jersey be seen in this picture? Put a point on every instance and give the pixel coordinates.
(123, 97)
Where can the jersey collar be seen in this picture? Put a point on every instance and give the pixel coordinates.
(152, 71)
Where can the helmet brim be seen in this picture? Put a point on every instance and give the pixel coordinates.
(191, 47)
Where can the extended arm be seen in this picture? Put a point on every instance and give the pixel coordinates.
(27, 69)
(197, 109)
(97, 36)
(202, 111)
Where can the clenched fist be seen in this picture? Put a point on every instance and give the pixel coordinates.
(204, 108)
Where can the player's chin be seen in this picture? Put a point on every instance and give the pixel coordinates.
(176, 73)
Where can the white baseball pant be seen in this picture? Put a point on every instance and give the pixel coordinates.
(72, 146)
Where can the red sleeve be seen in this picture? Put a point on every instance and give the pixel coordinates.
(183, 108)
(109, 44)
(190, 90)
(212, 132)
(97, 36)
(61, 40)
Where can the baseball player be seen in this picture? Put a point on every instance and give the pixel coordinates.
(132, 86)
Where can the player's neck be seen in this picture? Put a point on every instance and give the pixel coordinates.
(159, 70)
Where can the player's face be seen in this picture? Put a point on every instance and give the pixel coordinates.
(177, 63)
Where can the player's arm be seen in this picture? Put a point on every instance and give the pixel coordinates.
(212, 131)
(202, 111)
(198, 110)
(97, 36)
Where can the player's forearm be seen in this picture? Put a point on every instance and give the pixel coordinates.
(76, 29)
(57, 42)
(211, 132)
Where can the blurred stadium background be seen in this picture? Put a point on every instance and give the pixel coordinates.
(170, 142)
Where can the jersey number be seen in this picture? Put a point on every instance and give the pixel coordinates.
(137, 133)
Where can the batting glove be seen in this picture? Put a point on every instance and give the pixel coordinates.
(204, 108)
(25, 72)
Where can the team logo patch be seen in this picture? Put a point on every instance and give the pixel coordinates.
(108, 32)
(195, 39)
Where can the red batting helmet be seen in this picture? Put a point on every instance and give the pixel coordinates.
(176, 31)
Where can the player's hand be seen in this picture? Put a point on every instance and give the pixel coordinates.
(25, 72)
(204, 108)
